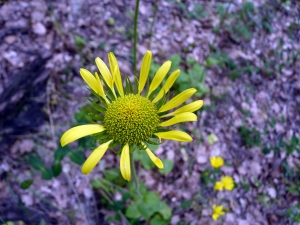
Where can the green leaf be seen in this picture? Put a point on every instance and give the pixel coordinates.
(26, 184)
(46, 173)
(96, 106)
(36, 162)
(96, 117)
(77, 157)
(186, 204)
(211, 61)
(165, 210)
(158, 220)
(128, 88)
(132, 211)
(131, 188)
(175, 59)
(56, 169)
(60, 153)
(212, 138)
(168, 166)
(144, 158)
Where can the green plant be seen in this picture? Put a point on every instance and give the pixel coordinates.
(147, 207)
(250, 137)
(293, 213)
(193, 76)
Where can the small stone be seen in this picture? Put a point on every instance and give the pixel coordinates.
(39, 29)
(10, 39)
(242, 222)
(271, 192)
(26, 146)
(37, 16)
(27, 199)
(275, 107)
(255, 168)
(87, 193)
(230, 218)
(202, 159)
(175, 219)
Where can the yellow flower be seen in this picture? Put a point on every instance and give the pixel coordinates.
(216, 161)
(219, 186)
(217, 212)
(227, 182)
(131, 115)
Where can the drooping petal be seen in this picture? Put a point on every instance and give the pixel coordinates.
(104, 72)
(178, 99)
(175, 135)
(144, 70)
(154, 158)
(180, 118)
(94, 158)
(79, 132)
(159, 76)
(125, 163)
(167, 85)
(115, 70)
(191, 107)
(89, 78)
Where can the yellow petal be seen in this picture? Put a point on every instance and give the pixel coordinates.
(159, 76)
(89, 78)
(79, 132)
(191, 107)
(154, 159)
(115, 70)
(218, 186)
(125, 163)
(94, 158)
(101, 90)
(104, 72)
(228, 182)
(175, 135)
(144, 70)
(178, 99)
(167, 85)
(180, 118)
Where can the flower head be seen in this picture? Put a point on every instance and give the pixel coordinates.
(217, 212)
(216, 161)
(228, 182)
(132, 116)
(225, 183)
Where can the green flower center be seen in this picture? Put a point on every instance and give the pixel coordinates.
(131, 119)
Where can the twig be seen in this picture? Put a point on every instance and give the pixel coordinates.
(76, 195)
(49, 111)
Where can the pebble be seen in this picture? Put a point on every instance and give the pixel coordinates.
(10, 39)
(39, 29)
(271, 192)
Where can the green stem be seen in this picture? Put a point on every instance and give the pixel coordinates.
(134, 176)
(136, 13)
(223, 20)
(155, 7)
